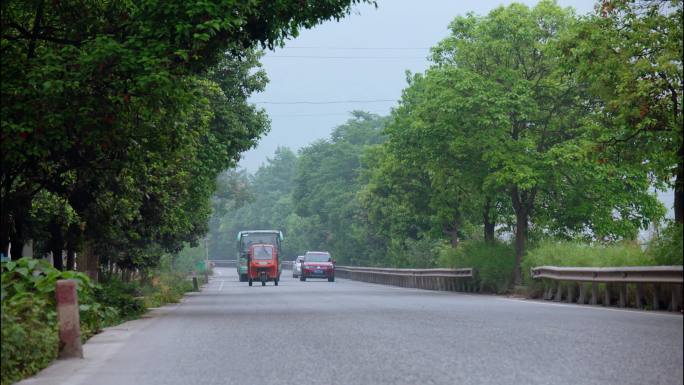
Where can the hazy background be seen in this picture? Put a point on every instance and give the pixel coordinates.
(343, 66)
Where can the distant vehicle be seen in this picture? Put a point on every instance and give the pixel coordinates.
(318, 264)
(245, 239)
(297, 266)
(263, 265)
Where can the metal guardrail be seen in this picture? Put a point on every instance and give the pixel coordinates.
(430, 279)
(638, 287)
(224, 262)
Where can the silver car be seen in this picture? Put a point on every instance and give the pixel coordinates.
(297, 266)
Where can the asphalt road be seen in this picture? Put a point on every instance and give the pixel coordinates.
(348, 332)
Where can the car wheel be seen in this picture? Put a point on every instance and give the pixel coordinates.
(302, 278)
(250, 282)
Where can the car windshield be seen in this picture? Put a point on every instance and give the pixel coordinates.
(317, 257)
(263, 252)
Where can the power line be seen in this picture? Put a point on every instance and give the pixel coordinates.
(323, 114)
(329, 101)
(343, 57)
(361, 48)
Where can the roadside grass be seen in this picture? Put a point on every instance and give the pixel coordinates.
(662, 251)
(493, 263)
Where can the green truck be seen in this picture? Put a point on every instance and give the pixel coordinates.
(250, 237)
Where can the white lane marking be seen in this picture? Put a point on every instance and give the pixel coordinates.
(591, 307)
(221, 287)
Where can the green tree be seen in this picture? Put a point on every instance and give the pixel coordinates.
(326, 185)
(497, 126)
(86, 86)
(629, 58)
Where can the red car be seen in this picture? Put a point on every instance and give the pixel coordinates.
(318, 264)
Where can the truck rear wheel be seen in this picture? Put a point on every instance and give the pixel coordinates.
(276, 282)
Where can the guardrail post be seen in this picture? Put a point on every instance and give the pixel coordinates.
(639, 293)
(571, 292)
(548, 287)
(559, 293)
(676, 299)
(582, 299)
(606, 295)
(655, 298)
(68, 319)
(622, 300)
(594, 294)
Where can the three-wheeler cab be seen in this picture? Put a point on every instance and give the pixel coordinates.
(264, 264)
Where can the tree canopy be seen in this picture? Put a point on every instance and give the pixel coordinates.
(127, 112)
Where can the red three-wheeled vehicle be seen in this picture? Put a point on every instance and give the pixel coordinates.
(264, 264)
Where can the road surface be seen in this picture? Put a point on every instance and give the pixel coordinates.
(349, 332)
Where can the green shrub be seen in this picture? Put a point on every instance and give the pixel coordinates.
(168, 287)
(419, 253)
(668, 249)
(29, 327)
(125, 297)
(493, 263)
(29, 337)
(28, 299)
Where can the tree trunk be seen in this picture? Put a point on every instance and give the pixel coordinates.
(523, 202)
(70, 258)
(679, 188)
(521, 226)
(57, 260)
(489, 225)
(17, 248)
(452, 232)
(454, 239)
(88, 262)
(56, 244)
(4, 230)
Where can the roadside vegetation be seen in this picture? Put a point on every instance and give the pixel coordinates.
(537, 137)
(117, 118)
(29, 324)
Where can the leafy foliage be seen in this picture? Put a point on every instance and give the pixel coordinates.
(311, 197)
(668, 248)
(495, 132)
(29, 337)
(134, 110)
(29, 325)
